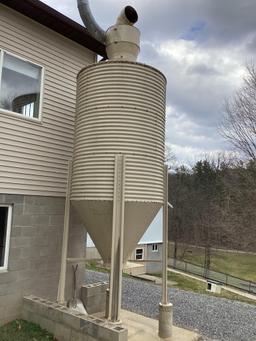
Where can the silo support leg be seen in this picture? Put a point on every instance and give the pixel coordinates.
(165, 307)
(115, 292)
(63, 269)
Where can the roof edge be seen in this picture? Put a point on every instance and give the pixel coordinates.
(56, 21)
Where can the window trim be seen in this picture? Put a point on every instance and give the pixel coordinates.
(4, 268)
(154, 247)
(142, 253)
(13, 113)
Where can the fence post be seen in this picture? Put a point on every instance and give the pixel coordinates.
(226, 279)
(250, 284)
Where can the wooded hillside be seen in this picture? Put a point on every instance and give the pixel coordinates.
(214, 204)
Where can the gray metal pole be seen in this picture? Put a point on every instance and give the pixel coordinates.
(165, 308)
(115, 291)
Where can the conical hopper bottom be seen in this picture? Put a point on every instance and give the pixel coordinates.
(97, 219)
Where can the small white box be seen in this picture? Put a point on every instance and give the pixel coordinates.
(213, 286)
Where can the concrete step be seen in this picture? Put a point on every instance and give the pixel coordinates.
(141, 328)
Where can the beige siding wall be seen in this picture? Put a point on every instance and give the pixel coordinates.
(34, 155)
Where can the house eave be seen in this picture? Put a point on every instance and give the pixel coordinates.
(49, 17)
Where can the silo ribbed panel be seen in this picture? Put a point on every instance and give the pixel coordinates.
(120, 109)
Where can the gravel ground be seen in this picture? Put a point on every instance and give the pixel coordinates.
(215, 318)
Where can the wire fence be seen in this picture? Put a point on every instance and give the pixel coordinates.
(220, 277)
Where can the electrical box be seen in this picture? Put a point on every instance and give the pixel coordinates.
(214, 287)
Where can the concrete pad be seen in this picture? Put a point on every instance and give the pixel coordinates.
(141, 328)
(134, 269)
(155, 279)
(128, 265)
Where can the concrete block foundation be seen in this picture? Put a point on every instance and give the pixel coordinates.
(66, 325)
(35, 251)
(94, 297)
(69, 326)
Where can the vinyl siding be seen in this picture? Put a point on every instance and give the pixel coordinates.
(34, 154)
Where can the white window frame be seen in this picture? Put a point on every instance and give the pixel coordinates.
(13, 113)
(142, 254)
(155, 247)
(4, 268)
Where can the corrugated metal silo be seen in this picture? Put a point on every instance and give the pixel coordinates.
(120, 109)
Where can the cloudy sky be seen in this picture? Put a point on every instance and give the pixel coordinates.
(202, 47)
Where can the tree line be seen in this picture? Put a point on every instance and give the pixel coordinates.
(214, 204)
(215, 201)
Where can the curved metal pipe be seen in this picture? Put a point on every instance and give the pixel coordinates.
(128, 16)
(86, 15)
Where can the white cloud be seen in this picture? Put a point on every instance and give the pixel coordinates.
(188, 156)
(201, 72)
(199, 80)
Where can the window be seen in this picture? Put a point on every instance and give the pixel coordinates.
(20, 86)
(5, 230)
(154, 248)
(139, 254)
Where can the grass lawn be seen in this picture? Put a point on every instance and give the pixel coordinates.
(96, 266)
(190, 284)
(240, 265)
(20, 330)
(183, 283)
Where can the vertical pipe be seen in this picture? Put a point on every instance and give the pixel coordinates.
(107, 304)
(115, 291)
(85, 253)
(165, 238)
(63, 269)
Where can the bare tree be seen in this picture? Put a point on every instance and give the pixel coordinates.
(170, 157)
(239, 123)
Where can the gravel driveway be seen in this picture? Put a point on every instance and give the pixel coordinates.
(215, 318)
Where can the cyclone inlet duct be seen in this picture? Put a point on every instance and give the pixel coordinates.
(118, 173)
